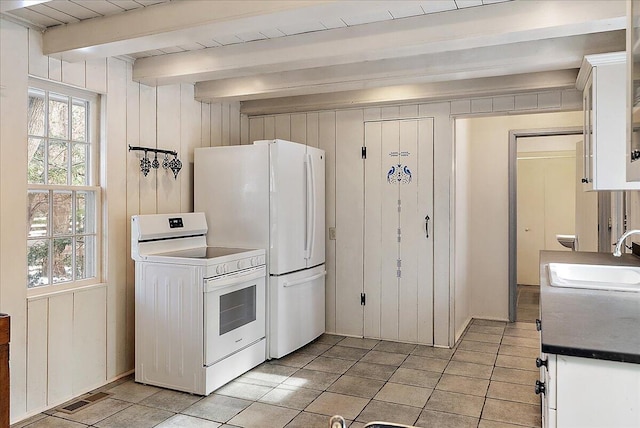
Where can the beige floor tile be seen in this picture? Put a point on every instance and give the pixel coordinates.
(451, 402)
(513, 392)
(489, 323)
(95, 412)
(345, 352)
(523, 325)
(512, 412)
(256, 381)
(291, 397)
(329, 403)
(486, 329)
(53, 422)
(260, 415)
(463, 385)
(309, 420)
(174, 401)
(521, 341)
(425, 363)
(184, 421)
(520, 332)
(357, 424)
(330, 365)
(315, 348)
(433, 419)
(388, 412)
(29, 420)
(425, 379)
(371, 371)
(470, 345)
(522, 363)
(484, 423)
(330, 339)
(483, 337)
(395, 347)
(297, 359)
(469, 369)
(386, 358)
(523, 377)
(245, 391)
(132, 392)
(311, 379)
(474, 357)
(218, 408)
(135, 416)
(519, 351)
(430, 351)
(358, 386)
(404, 394)
(356, 342)
(275, 373)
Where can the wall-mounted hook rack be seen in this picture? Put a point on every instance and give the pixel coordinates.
(145, 164)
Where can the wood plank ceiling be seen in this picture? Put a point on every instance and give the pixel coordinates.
(250, 50)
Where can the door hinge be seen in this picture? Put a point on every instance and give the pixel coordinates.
(399, 273)
(363, 299)
(364, 152)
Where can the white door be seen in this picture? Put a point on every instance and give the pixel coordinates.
(398, 239)
(315, 206)
(288, 206)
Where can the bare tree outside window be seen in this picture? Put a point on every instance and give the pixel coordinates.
(62, 200)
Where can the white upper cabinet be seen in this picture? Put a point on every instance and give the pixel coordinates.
(603, 80)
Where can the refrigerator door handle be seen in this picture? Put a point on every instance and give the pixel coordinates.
(304, 280)
(309, 207)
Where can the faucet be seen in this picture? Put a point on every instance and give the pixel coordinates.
(618, 250)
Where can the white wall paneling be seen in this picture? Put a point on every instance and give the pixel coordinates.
(14, 41)
(82, 339)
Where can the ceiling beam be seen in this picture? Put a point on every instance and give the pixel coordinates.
(515, 58)
(185, 21)
(473, 28)
(426, 92)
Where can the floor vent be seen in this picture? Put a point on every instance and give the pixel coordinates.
(83, 402)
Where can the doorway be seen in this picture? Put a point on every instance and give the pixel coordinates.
(545, 159)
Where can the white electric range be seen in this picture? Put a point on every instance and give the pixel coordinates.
(200, 311)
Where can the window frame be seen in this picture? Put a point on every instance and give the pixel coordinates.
(93, 185)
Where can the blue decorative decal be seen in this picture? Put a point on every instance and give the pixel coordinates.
(399, 174)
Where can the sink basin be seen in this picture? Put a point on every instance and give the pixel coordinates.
(595, 277)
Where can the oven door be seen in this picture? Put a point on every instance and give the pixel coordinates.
(234, 313)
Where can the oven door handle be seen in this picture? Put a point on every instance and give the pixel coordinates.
(304, 280)
(217, 283)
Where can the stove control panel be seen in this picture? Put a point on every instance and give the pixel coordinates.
(238, 265)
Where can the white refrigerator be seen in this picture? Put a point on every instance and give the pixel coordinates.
(271, 195)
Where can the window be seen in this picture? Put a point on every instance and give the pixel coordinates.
(63, 204)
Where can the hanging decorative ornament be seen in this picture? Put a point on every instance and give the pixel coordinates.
(166, 162)
(145, 164)
(176, 165)
(155, 164)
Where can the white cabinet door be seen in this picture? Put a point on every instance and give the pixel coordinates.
(398, 239)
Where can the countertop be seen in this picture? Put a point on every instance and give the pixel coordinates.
(589, 323)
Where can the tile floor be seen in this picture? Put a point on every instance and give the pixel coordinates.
(486, 381)
(528, 303)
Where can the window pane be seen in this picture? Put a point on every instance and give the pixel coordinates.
(36, 153)
(36, 112)
(79, 161)
(58, 116)
(37, 262)
(58, 162)
(62, 260)
(79, 120)
(38, 214)
(85, 254)
(62, 224)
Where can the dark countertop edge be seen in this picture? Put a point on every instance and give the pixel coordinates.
(588, 353)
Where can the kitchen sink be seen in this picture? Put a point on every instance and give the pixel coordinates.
(595, 277)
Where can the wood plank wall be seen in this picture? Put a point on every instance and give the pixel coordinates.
(69, 343)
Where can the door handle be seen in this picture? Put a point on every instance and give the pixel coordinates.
(426, 225)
